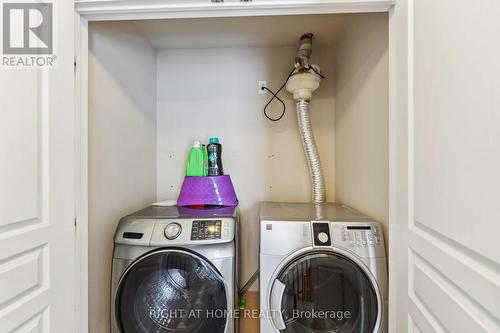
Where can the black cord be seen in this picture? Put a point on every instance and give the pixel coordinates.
(279, 99)
(315, 71)
(275, 95)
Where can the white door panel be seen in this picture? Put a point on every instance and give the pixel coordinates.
(457, 102)
(37, 192)
(19, 169)
(454, 256)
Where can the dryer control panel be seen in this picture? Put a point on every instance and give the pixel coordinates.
(361, 235)
(365, 239)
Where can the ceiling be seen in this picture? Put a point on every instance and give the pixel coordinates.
(243, 31)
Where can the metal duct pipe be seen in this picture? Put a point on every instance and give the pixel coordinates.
(312, 156)
(301, 84)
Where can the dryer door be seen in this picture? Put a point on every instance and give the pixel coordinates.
(171, 290)
(325, 292)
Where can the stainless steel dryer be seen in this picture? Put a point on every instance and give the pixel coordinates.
(323, 269)
(175, 270)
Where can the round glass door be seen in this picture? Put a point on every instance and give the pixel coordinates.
(324, 293)
(171, 291)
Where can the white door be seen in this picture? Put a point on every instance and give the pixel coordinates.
(37, 190)
(451, 263)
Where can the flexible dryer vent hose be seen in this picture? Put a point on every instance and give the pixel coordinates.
(312, 156)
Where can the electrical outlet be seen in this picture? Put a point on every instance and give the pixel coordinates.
(262, 84)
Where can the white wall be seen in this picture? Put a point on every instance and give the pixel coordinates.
(361, 116)
(213, 92)
(122, 147)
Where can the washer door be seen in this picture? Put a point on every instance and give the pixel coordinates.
(324, 292)
(171, 290)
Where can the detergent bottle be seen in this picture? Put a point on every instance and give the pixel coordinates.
(195, 165)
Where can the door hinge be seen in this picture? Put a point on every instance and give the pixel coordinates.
(75, 222)
(75, 64)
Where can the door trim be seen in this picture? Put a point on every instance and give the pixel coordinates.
(98, 10)
(334, 250)
(81, 172)
(400, 159)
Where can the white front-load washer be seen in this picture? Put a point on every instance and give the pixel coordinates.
(175, 270)
(323, 269)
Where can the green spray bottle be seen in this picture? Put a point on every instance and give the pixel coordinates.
(195, 165)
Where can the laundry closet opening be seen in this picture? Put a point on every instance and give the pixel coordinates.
(155, 86)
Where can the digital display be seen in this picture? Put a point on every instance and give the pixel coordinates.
(359, 227)
(206, 229)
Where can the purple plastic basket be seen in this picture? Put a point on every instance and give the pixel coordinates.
(211, 190)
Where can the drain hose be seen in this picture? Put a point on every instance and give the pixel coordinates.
(312, 156)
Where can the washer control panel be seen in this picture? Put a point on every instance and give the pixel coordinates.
(206, 229)
(188, 231)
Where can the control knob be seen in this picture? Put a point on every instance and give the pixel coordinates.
(323, 237)
(173, 230)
